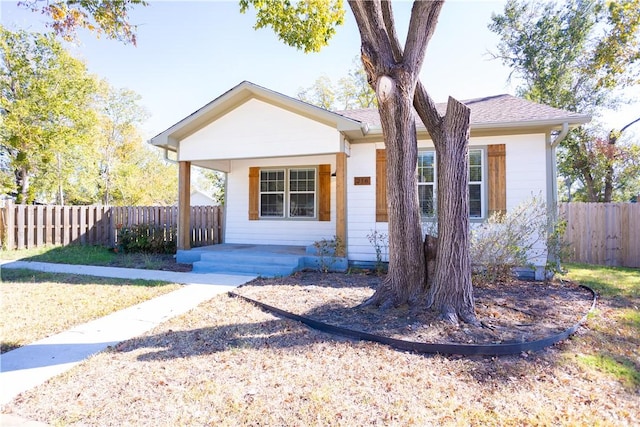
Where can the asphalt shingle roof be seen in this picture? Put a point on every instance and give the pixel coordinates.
(487, 110)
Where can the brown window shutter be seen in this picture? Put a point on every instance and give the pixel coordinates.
(382, 214)
(497, 178)
(324, 192)
(254, 193)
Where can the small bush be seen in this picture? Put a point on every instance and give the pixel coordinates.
(146, 238)
(380, 242)
(515, 239)
(328, 250)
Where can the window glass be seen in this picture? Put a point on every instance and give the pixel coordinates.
(294, 197)
(272, 193)
(302, 197)
(475, 201)
(427, 191)
(426, 182)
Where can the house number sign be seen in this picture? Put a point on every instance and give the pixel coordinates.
(362, 180)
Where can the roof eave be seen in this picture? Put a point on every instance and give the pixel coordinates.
(169, 138)
(551, 124)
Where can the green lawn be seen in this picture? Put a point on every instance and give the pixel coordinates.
(35, 305)
(612, 347)
(91, 255)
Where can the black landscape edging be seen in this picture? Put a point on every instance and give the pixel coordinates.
(419, 347)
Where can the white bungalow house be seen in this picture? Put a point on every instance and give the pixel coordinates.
(297, 174)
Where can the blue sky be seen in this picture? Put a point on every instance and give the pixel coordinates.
(189, 53)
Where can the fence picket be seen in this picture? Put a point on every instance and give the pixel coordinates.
(603, 233)
(26, 226)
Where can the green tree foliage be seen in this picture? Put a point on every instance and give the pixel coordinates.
(107, 17)
(145, 179)
(69, 139)
(212, 183)
(351, 91)
(576, 55)
(46, 112)
(117, 136)
(125, 170)
(321, 93)
(306, 25)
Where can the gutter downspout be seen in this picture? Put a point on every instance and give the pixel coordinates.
(552, 189)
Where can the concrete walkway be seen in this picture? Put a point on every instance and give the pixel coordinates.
(33, 364)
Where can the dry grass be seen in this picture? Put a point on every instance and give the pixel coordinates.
(36, 305)
(227, 363)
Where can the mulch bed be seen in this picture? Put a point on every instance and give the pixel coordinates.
(512, 312)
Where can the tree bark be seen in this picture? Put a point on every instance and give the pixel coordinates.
(22, 183)
(393, 74)
(406, 278)
(451, 293)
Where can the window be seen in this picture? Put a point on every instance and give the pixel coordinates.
(272, 193)
(475, 183)
(426, 182)
(290, 197)
(427, 185)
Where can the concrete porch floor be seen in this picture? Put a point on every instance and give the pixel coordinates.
(261, 260)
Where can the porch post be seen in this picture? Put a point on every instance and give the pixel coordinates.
(341, 199)
(184, 205)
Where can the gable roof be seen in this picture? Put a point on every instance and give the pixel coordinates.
(491, 112)
(238, 95)
(499, 111)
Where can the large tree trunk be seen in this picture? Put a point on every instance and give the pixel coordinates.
(406, 279)
(393, 74)
(451, 290)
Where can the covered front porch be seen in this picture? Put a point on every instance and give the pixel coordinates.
(285, 163)
(260, 260)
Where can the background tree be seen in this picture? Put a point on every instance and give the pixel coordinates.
(211, 183)
(125, 171)
(119, 115)
(46, 112)
(145, 179)
(576, 55)
(107, 17)
(321, 93)
(352, 91)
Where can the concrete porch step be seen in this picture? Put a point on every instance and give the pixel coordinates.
(258, 263)
(262, 270)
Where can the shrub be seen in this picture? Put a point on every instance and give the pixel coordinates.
(380, 242)
(328, 250)
(515, 239)
(146, 238)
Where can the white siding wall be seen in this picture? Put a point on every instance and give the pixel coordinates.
(361, 204)
(526, 176)
(238, 228)
(259, 129)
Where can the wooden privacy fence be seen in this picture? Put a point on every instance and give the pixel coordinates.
(29, 226)
(603, 233)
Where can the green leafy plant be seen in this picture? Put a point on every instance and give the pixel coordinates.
(146, 238)
(380, 242)
(328, 250)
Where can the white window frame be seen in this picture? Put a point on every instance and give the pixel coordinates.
(432, 184)
(287, 193)
(483, 182)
